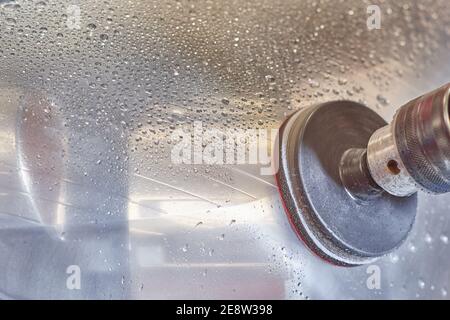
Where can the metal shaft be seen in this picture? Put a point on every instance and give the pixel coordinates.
(411, 153)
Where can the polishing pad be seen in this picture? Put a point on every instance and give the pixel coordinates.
(334, 224)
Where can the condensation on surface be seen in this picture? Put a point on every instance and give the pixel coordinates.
(91, 93)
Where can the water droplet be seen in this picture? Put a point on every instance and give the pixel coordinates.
(11, 20)
(269, 78)
(342, 81)
(313, 83)
(421, 284)
(382, 100)
(394, 257)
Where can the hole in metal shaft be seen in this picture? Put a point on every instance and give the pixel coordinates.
(392, 165)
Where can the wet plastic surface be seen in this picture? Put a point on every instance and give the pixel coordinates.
(86, 117)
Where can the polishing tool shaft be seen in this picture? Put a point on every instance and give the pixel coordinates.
(411, 153)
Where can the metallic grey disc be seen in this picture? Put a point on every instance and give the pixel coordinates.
(336, 226)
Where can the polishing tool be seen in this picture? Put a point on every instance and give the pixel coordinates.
(349, 180)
